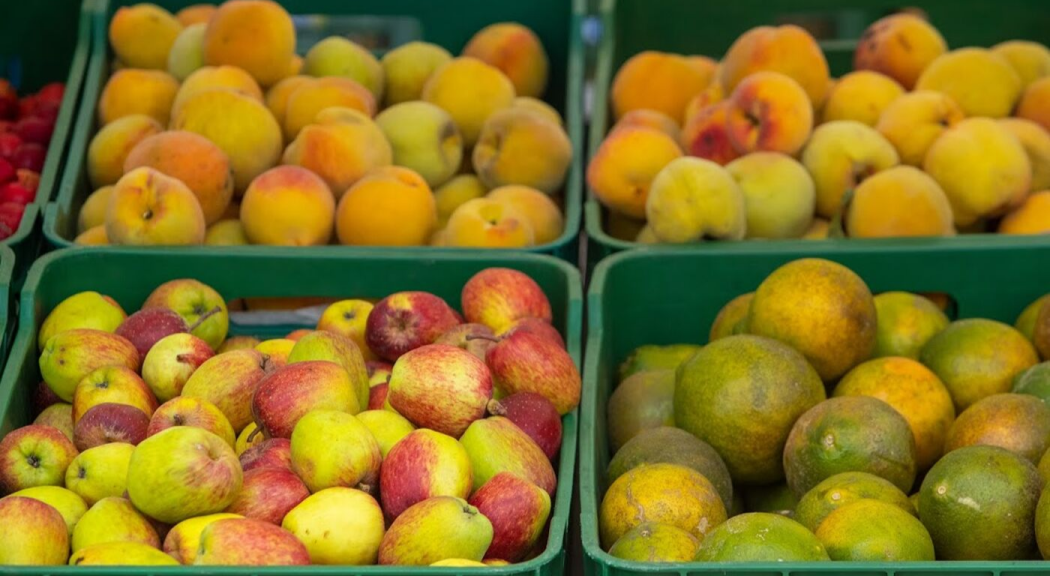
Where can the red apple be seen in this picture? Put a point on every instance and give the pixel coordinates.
(525, 362)
(171, 361)
(474, 338)
(286, 395)
(7, 171)
(440, 387)
(229, 381)
(16, 193)
(535, 326)
(9, 143)
(108, 423)
(422, 465)
(196, 412)
(34, 455)
(32, 533)
(496, 297)
(270, 453)
(535, 415)
(405, 321)
(378, 372)
(146, 327)
(268, 494)
(247, 542)
(377, 396)
(116, 384)
(518, 511)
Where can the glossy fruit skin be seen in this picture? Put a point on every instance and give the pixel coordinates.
(535, 415)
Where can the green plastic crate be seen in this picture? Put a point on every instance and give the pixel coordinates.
(642, 297)
(708, 28)
(379, 24)
(7, 308)
(129, 276)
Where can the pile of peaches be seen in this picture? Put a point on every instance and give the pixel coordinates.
(918, 140)
(212, 130)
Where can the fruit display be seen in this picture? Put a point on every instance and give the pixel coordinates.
(400, 431)
(919, 139)
(818, 421)
(212, 130)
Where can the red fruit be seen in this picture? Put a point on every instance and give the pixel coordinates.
(496, 297)
(26, 106)
(146, 327)
(423, 465)
(31, 156)
(110, 422)
(538, 327)
(11, 215)
(272, 453)
(405, 321)
(34, 129)
(28, 179)
(535, 415)
(267, 494)
(52, 92)
(46, 111)
(377, 396)
(525, 362)
(9, 144)
(7, 171)
(6, 126)
(16, 193)
(44, 396)
(8, 100)
(518, 511)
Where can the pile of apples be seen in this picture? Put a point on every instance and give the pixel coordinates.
(160, 442)
(918, 140)
(26, 125)
(213, 131)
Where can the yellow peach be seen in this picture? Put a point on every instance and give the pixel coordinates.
(1036, 143)
(487, 223)
(112, 144)
(454, 193)
(769, 112)
(861, 96)
(514, 50)
(390, 206)
(913, 122)
(226, 233)
(1035, 103)
(150, 209)
(93, 212)
(543, 214)
(900, 46)
(142, 35)
(522, 147)
(818, 230)
(424, 138)
(187, 53)
(650, 119)
(132, 91)
(624, 166)
(470, 91)
(338, 56)
(656, 81)
(310, 98)
(788, 49)
(212, 77)
(278, 94)
(778, 192)
(1031, 60)
(706, 134)
(256, 35)
(195, 14)
(95, 236)
(288, 206)
(341, 147)
(1031, 217)
(407, 68)
(982, 82)
(899, 201)
(538, 106)
(840, 155)
(693, 199)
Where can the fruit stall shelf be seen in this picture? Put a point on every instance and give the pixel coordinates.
(31, 59)
(128, 276)
(688, 27)
(642, 297)
(381, 24)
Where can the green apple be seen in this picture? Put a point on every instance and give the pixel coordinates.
(184, 538)
(436, 529)
(121, 554)
(113, 520)
(31, 533)
(70, 505)
(191, 300)
(73, 354)
(83, 310)
(331, 448)
(333, 347)
(34, 455)
(100, 472)
(387, 427)
(338, 526)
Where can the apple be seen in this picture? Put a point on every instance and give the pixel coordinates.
(71, 355)
(31, 533)
(121, 554)
(193, 300)
(405, 321)
(338, 526)
(82, 310)
(100, 472)
(229, 381)
(535, 415)
(349, 318)
(237, 343)
(518, 511)
(246, 542)
(496, 297)
(351, 455)
(113, 520)
(270, 453)
(295, 335)
(188, 411)
(171, 362)
(44, 396)
(34, 455)
(286, 395)
(146, 327)
(463, 533)
(535, 326)
(525, 362)
(474, 338)
(440, 387)
(335, 348)
(268, 494)
(378, 372)
(277, 350)
(110, 422)
(377, 396)
(184, 538)
(496, 444)
(249, 437)
(403, 482)
(388, 427)
(71, 506)
(57, 416)
(112, 384)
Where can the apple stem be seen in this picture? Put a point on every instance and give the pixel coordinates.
(204, 317)
(482, 337)
(256, 432)
(496, 408)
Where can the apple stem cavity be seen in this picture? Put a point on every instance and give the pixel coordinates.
(204, 317)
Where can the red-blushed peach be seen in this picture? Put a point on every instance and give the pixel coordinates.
(543, 214)
(787, 49)
(516, 51)
(470, 91)
(486, 223)
(1036, 142)
(524, 148)
(711, 95)
(1031, 217)
(133, 91)
(1035, 103)
(149, 208)
(113, 143)
(141, 35)
(769, 112)
(498, 297)
(982, 82)
(246, 542)
(389, 206)
(288, 206)
(195, 14)
(214, 77)
(861, 96)
(625, 164)
(650, 119)
(310, 98)
(915, 120)
(407, 68)
(840, 155)
(277, 96)
(900, 46)
(656, 81)
(898, 202)
(706, 134)
(341, 147)
(256, 35)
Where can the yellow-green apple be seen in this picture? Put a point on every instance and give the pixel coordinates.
(287, 394)
(518, 511)
(334, 347)
(440, 387)
(769, 111)
(840, 155)
(121, 554)
(377, 395)
(171, 362)
(100, 472)
(387, 427)
(779, 194)
(239, 343)
(183, 540)
(181, 473)
(277, 349)
(474, 338)
(110, 422)
(424, 138)
(70, 355)
(113, 520)
(464, 533)
(338, 526)
(351, 455)
(246, 542)
(496, 444)
(229, 381)
(378, 372)
(535, 415)
(32, 533)
(915, 120)
(116, 384)
(524, 362)
(408, 67)
(82, 310)
(193, 300)
(34, 455)
(270, 453)
(405, 321)
(461, 563)
(249, 437)
(148, 208)
(268, 494)
(403, 482)
(349, 318)
(692, 199)
(68, 503)
(146, 327)
(189, 411)
(497, 297)
(57, 416)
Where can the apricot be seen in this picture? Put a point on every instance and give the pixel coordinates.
(778, 192)
(226, 233)
(896, 202)
(390, 206)
(706, 135)
(288, 206)
(543, 214)
(769, 112)
(861, 96)
(522, 147)
(148, 208)
(516, 51)
(900, 46)
(788, 49)
(278, 94)
(1031, 60)
(1035, 103)
(487, 223)
(337, 56)
(650, 119)
(198, 163)
(456, 192)
(195, 14)
(1031, 217)
(142, 35)
(840, 155)
(239, 125)
(982, 82)
(213, 77)
(470, 91)
(407, 68)
(538, 106)
(1036, 143)
(341, 147)
(256, 35)
(131, 91)
(424, 138)
(915, 120)
(93, 212)
(311, 97)
(713, 94)
(187, 53)
(95, 236)
(692, 199)
(656, 81)
(624, 166)
(112, 144)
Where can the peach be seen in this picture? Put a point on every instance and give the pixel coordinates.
(142, 35)
(407, 68)
(538, 106)
(624, 166)
(112, 144)
(202, 166)
(239, 125)
(516, 51)
(389, 206)
(818, 230)
(195, 14)
(226, 233)
(542, 213)
(778, 192)
(650, 119)
(151, 209)
(256, 35)
(840, 155)
(1031, 60)
(93, 212)
(1036, 143)
(706, 135)
(131, 91)
(707, 66)
(337, 56)
(788, 49)
(187, 53)
(522, 147)
(424, 138)
(341, 148)
(982, 168)
(656, 81)
(278, 94)
(470, 91)
(288, 206)
(310, 98)
(770, 112)
(95, 236)
(1035, 103)
(900, 46)
(711, 95)
(454, 193)
(861, 96)
(212, 77)
(1031, 217)
(913, 122)
(899, 201)
(487, 223)
(693, 199)
(980, 81)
